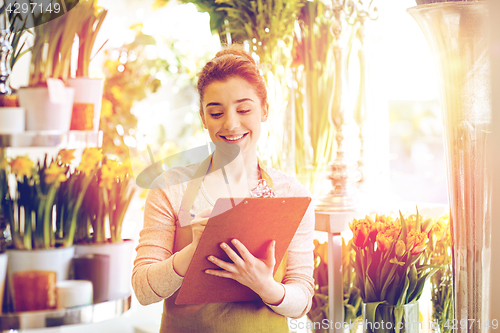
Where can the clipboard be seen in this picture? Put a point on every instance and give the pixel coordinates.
(253, 221)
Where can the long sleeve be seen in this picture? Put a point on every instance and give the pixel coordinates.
(153, 276)
(298, 280)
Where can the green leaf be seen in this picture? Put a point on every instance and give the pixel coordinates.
(370, 311)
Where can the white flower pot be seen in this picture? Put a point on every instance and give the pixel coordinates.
(12, 120)
(41, 113)
(56, 260)
(89, 90)
(120, 265)
(71, 293)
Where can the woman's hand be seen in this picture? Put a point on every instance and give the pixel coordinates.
(198, 225)
(255, 273)
(183, 258)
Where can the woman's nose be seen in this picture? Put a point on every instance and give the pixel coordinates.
(231, 122)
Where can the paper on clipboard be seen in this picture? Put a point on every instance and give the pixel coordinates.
(255, 222)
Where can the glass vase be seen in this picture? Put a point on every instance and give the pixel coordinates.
(385, 319)
(457, 33)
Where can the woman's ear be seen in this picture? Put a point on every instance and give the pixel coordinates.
(265, 112)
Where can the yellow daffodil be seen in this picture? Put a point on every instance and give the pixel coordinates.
(123, 169)
(108, 174)
(21, 166)
(90, 159)
(66, 156)
(55, 174)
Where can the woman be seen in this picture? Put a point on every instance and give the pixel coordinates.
(233, 103)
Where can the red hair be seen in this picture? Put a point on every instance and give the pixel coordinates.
(230, 62)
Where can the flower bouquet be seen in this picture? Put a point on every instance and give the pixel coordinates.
(391, 270)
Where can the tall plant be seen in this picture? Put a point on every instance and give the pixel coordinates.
(90, 18)
(51, 51)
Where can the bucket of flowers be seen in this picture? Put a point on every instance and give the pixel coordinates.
(391, 270)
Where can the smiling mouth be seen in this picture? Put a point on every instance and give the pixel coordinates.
(233, 138)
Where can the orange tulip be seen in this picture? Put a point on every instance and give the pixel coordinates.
(416, 241)
(361, 232)
(384, 241)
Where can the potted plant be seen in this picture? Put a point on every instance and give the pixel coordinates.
(391, 270)
(88, 91)
(105, 204)
(48, 102)
(12, 117)
(41, 250)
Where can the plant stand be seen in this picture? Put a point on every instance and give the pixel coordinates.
(334, 223)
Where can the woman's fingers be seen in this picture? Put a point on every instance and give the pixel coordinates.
(242, 250)
(231, 254)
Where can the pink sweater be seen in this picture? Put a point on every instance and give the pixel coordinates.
(154, 278)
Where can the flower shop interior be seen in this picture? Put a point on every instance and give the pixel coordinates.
(382, 109)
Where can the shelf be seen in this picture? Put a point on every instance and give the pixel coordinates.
(78, 315)
(71, 139)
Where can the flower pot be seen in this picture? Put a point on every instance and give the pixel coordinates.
(12, 120)
(88, 91)
(56, 260)
(93, 268)
(3, 274)
(41, 113)
(120, 264)
(384, 318)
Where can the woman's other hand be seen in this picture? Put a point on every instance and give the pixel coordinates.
(183, 258)
(255, 273)
(198, 225)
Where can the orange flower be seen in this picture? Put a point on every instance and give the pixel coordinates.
(439, 229)
(384, 241)
(416, 241)
(55, 174)
(375, 229)
(66, 155)
(361, 231)
(21, 166)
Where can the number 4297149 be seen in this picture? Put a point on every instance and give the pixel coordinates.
(471, 323)
(32, 7)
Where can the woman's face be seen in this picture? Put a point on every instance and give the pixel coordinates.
(232, 112)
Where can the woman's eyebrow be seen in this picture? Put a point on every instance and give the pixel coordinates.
(235, 102)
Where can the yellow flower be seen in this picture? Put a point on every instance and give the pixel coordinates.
(108, 174)
(123, 169)
(400, 248)
(90, 158)
(21, 166)
(55, 174)
(66, 155)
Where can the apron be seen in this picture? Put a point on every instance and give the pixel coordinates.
(252, 316)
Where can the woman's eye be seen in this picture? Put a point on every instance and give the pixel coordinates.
(244, 111)
(216, 115)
